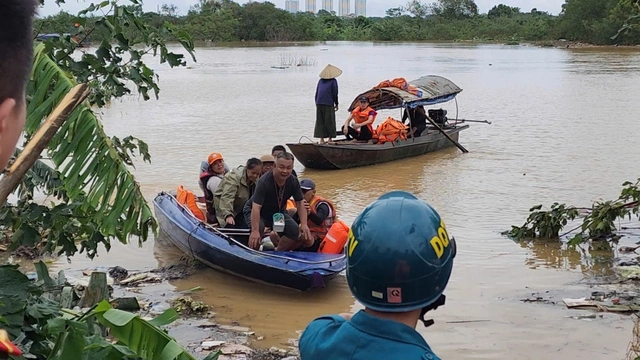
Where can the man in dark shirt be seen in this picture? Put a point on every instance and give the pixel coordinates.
(270, 198)
(417, 120)
(277, 149)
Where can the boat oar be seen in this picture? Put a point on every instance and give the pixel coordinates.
(447, 135)
(474, 121)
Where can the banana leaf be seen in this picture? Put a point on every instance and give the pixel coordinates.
(90, 168)
(142, 337)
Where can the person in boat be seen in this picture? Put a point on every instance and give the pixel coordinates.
(320, 211)
(399, 261)
(204, 166)
(269, 201)
(417, 120)
(326, 103)
(234, 191)
(209, 182)
(363, 117)
(268, 162)
(16, 54)
(277, 149)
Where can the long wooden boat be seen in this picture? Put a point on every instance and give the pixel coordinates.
(225, 250)
(344, 154)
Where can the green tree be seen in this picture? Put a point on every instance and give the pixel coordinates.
(502, 10)
(455, 9)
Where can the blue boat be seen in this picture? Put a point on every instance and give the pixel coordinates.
(225, 250)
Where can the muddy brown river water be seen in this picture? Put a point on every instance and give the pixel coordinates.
(565, 128)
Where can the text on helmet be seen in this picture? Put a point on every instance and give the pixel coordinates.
(441, 241)
(352, 243)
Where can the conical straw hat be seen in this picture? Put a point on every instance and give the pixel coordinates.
(330, 72)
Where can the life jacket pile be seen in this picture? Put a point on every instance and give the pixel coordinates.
(391, 130)
(400, 83)
(188, 199)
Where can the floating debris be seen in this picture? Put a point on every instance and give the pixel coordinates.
(187, 306)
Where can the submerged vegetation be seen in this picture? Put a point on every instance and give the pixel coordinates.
(599, 222)
(591, 21)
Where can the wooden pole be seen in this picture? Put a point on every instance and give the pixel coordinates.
(447, 135)
(97, 290)
(41, 139)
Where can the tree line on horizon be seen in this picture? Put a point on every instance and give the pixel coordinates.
(591, 21)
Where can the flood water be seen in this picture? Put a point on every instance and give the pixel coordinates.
(565, 128)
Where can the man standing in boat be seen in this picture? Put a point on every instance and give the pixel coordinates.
(326, 103)
(267, 208)
(399, 261)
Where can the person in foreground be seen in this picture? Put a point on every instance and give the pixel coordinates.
(16, 53)
(399, 261)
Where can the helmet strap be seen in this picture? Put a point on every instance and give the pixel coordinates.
(439, 302)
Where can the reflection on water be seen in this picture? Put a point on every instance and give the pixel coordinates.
(591, 260)
(564, 125)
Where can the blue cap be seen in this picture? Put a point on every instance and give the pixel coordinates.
(307, 184)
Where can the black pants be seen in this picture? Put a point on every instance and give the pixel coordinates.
(420, 128)
(364, 134)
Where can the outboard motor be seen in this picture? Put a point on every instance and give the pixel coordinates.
(439, 116)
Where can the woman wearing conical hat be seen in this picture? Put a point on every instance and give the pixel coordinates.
(326, 103)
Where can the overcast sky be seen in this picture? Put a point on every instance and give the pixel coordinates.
(374, 7)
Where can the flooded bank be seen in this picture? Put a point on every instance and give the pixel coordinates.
(564, 122)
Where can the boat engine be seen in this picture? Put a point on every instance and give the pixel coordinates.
(439, 116)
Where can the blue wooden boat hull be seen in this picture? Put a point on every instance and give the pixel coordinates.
(297, 270)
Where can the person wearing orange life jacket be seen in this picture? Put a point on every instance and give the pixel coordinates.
(322, 213)
(363, 117)
(209, 181)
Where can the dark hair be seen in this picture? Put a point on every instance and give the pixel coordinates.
(253, 162)
(278, 148)
(16, 46)
(285, 155)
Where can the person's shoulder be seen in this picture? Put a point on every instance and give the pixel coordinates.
(320, 325)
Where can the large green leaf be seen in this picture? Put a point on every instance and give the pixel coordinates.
(146, 340)
(88, 162)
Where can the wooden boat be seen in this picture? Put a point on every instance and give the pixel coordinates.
(225, 250)
(344, 154)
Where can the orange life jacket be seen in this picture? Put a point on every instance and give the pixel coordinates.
(188, 199)
(336, 238)
(360, 116)
(291, 204)
(391, 130)
(400, 83)
(319, 231)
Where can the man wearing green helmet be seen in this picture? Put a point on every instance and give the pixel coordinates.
(399, 261)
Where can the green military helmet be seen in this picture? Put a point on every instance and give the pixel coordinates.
(399, 254)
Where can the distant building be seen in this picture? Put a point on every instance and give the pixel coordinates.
(291, 6)
(310, 6)
(327, 5)
(361, 7)
(344, 8)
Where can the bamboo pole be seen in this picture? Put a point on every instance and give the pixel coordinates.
(41, 139)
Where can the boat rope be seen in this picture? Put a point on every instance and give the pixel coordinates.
(189, 240)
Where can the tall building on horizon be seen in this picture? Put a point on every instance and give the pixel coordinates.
(361, 7)
(291, 6)
(327, 5)
(344, 8)
(310, 6)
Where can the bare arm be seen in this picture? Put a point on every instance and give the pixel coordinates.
(302, 213)
(255, 217)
